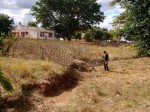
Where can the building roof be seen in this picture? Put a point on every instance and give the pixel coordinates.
(27, 27)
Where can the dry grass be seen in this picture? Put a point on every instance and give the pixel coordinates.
(126, 88)
(64, 52)
(21, 71)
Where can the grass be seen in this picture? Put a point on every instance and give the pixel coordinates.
(125, 88)
(21, 71)
(64, 52)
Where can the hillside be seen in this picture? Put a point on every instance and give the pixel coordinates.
(124, 89)
(69, 77)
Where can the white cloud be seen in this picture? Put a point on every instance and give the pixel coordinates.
(110, 12)
(19, 9)
(104, 1)
(107, 23)
(18, 16)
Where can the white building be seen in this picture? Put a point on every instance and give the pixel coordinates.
(25, 31)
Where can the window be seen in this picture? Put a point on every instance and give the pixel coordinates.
(50, 34)
(41, 34)
(23, 34)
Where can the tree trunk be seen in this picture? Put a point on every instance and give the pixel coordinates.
(69, 37)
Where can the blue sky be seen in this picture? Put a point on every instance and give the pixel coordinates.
(19, 9)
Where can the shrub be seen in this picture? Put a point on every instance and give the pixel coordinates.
(5, 82)
(97, 34)
(6, 43)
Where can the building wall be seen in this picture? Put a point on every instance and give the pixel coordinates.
(33, 32)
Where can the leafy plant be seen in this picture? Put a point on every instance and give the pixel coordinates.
(6, 43)
(136, 23)
(67, 16)
(97, 34)
(6, 24)
(32, 23)
(5, 82)
(77, 35)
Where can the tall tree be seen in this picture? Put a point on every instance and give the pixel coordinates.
(97, 34)
(67, 16)
(136, 24)
(6, 24)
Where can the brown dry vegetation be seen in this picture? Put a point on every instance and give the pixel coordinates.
(21, 71)
(124, 89)
(64, 52)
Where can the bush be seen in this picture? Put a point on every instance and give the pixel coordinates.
(97, 34)
(6, 42)
(77, 35)
(89, 35)
(5, 83)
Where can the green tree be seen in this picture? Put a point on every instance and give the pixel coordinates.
(116, 34)
(67, 16)
(32, 23)
(77, 35)
(6, 24)
(97, 34)
(136, 24)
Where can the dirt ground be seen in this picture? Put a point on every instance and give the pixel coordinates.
(125, 88)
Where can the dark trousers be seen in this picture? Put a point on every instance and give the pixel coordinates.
(106, 66)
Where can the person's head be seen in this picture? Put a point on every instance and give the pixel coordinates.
(104, 52)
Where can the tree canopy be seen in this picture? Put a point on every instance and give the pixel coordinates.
(67, 16)
(136, 23)
(97, 34)
(32, 23)
(6, 24)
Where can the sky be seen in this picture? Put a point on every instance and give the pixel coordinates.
(19, 11)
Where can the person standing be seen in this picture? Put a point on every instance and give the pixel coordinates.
(106, 59)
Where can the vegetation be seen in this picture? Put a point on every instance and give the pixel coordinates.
(21, 72)
(135, 23)
(63, 52)
(32, 23)
(6, 24)
(68, 16)
(127, 83)
(97, 34)
(126, 88)
(117, 34)
(6, 43)
(78, 35)
(5, 82)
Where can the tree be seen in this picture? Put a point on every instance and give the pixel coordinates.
(97, 34)
(6, 43)
(67, 16)
(32, 23)
(6, 24)
(136, 24)
(77, 35)
(116, 34)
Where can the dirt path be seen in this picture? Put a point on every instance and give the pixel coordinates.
(123, 73)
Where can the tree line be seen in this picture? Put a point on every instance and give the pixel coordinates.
(71, 17)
